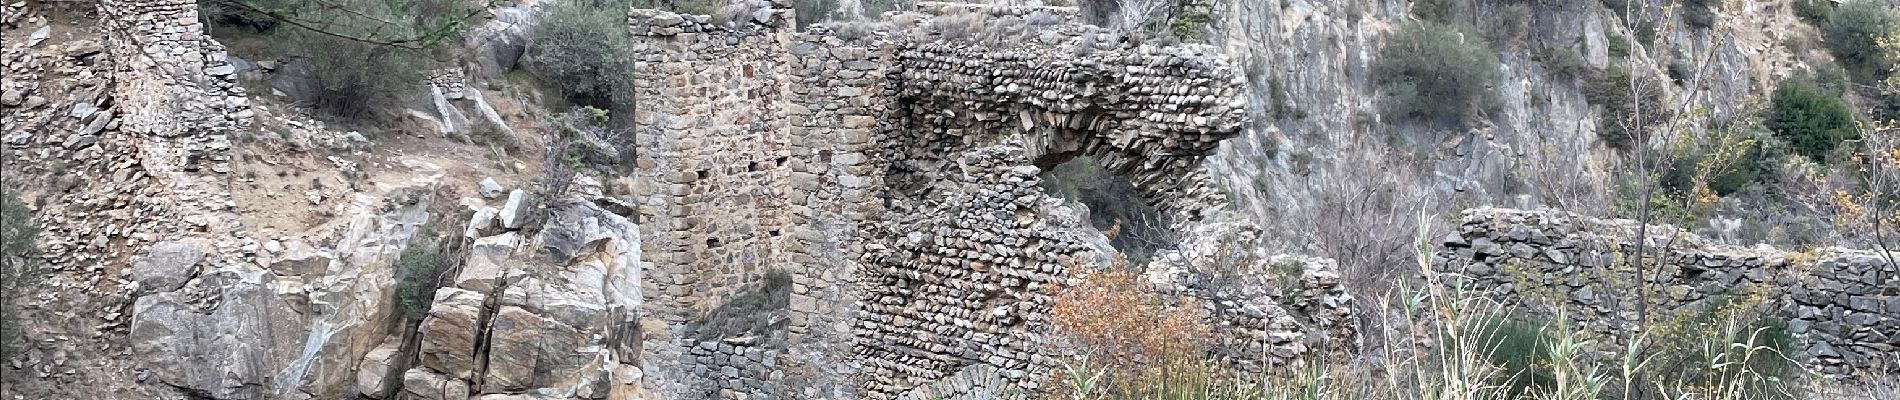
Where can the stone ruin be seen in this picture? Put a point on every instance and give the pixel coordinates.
(889, 175)
(892, 173)
(1841, 306)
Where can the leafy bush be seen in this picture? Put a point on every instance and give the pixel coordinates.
(1699, 13)
(1522, 347)
(814, 11)
(1190, 25)
(418, 273)
(1145, 348)
(1625, 114)
(751, 312)
(582, 48)
(1854, 33)
(1563, 62)
(1811, 120)
(1619, 46)
(1436, 71)
(1816, 12)
(363, 54)
(353, 79)
(18, 267)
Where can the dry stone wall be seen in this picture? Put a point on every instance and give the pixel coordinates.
(968, 279)
(1842, 306)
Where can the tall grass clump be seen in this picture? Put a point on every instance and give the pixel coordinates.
(1444, 341)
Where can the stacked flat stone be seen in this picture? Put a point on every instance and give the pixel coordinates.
(967, 281)
(1069, 15)
(869, 169)
(1847, 306)
(739, 369)
(1842, 305)
(976, 382)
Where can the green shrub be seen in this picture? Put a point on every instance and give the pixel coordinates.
(753, 311)
(1522, 347)
(1619, 46)
(1563, 62)
(1190, 25)
(1436, 71)
(1816, 12)
(1809, 119)
(418, 273)
(1625, 114)
(583, 48)
(364, 55)
(19, 268)
(1699, 13)
(1853, 34)
(353, 79)
(1729, 342)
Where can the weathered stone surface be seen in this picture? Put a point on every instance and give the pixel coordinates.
(448, 333)
(166, 266)
(486, 265)
(513, 212)
(489, 188)
(227, 351)
(378, 372)
(529, 351)
(422, 384)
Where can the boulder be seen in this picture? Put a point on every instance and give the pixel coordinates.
(482, 224)
(448, 333)
(514, 212)
(376, 375)
(500, 42)
(530, 351)
(486, 266)
(490, 189)
(422, 384)
(231, 350)
(167, 266)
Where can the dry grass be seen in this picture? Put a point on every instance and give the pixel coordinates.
(1439, 344)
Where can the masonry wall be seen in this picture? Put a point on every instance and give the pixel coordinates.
(901, 167)
(1842, 306)
(841, 107)
(710, 125)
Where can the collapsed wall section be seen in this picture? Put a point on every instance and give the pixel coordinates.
(902, 169)
(1842, 306)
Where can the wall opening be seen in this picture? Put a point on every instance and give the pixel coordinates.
(1116, 207)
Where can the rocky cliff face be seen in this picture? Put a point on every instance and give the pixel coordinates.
(1320, 142)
